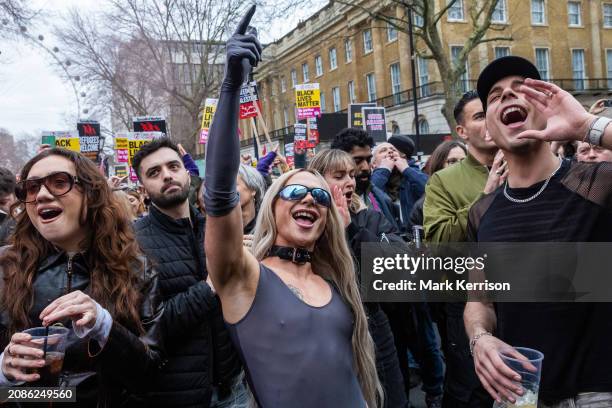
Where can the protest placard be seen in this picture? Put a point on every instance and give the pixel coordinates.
(90, 147)
(308, 101)
(68, 139)
(355, 119)
(121, 170)
(135, 140)
(299, 138)
(312, 132)
(374, 123)
(149, 124)
(70, 143)
(121, 147)
(289, 157)
(248, 98)
(88, 128)
(89, 134)
(210, 106)
(48, 137)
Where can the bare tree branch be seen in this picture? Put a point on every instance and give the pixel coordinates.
(161, 57)
(480, 13)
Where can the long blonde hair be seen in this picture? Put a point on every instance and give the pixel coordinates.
(330, 160)
(332, 260)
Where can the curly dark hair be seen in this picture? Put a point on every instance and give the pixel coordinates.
(351, 137)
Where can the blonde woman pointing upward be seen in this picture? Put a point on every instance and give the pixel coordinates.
(292, 306)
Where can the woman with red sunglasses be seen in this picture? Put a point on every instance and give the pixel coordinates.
(292, 306)
(73, 260)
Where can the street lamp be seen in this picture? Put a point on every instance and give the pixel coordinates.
(414, 81)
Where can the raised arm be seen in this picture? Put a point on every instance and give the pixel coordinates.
(231, 269)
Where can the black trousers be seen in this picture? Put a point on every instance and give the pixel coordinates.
(387, 362)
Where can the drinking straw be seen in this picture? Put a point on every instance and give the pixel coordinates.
(45, 344)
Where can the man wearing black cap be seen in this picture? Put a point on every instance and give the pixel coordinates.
(544, 199)
(449, 195)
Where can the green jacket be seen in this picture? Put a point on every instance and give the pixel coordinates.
(448, 197)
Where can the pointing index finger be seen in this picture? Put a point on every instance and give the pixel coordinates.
(244, 23)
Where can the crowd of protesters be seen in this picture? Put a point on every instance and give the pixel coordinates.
(242, 289)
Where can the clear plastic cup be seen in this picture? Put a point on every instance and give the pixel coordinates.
(53, 342)
(530, 372)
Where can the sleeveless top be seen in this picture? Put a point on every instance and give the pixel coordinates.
(297, 355)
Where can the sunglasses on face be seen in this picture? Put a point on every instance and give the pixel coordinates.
(57, 184)
(296, 192)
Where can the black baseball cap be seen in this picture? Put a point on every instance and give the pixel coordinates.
(501, 68)
(403, 143)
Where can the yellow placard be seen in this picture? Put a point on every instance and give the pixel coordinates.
(209, 112)
(121, 143)
(308, 100)
(134, 146)
(70, 143)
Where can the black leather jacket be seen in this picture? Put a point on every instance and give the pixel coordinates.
(111, 376)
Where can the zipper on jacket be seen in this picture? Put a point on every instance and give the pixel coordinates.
(69, 274)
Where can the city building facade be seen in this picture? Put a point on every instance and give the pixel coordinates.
(356, 58)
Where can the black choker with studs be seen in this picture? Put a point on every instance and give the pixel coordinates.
(295, 255)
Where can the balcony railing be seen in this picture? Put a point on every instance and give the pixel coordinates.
(436, 89)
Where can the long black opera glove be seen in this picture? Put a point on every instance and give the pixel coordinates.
(223, 150)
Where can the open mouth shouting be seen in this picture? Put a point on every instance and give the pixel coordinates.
(349, 197)
(305, 218)
(513, 116)
(48, 214)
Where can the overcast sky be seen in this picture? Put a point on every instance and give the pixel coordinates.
(32, 95)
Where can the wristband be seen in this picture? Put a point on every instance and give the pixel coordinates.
(596, 130)
(475, 339)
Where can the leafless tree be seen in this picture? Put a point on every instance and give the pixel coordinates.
(14, 13)
(151, 57)
(431, 45)
(15, 152)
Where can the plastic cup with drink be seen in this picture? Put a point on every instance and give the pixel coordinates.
(530, 370)
(52, 340)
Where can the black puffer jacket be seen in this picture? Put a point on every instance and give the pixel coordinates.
(370, 226)
(199, 351)
(109, 377)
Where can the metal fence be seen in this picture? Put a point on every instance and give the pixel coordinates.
(436, 89)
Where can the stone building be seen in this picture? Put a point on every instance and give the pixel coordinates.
(355, 58)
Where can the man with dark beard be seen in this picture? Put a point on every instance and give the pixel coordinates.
(358, 144)
(201, 360)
